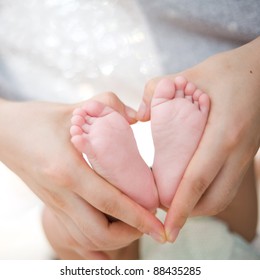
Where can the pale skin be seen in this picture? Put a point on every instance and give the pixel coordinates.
(180, 112)
(179, 115)
(226, 110)
(223, 128)
(223, 124)
(231, 138)
(236, 181)
(107, 139)
(57, 173)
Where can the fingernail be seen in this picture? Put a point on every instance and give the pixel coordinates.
(161, 238)
(131, 113)
(171, 235)
(141, 111)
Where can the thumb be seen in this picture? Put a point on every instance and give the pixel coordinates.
(112, 100)
(144, 111)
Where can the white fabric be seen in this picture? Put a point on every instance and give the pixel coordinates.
(201, 239)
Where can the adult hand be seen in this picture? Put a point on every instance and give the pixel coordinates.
(67, 247)
(231, 138)
(35, 144)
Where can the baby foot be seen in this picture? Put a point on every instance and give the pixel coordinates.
(108, 141)
(179, 114)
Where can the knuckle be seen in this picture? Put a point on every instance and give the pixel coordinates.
(57, 201)
(140, 224)
(111, 208)
(199, 185)
(231, 142)
(58, 174)
(110, 98)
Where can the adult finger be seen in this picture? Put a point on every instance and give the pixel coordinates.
(197, 178)
(94, 225)
(143, 113)
(109, 200)
(113, 101)
(66, 247)
(225, 186)
(89, 223)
